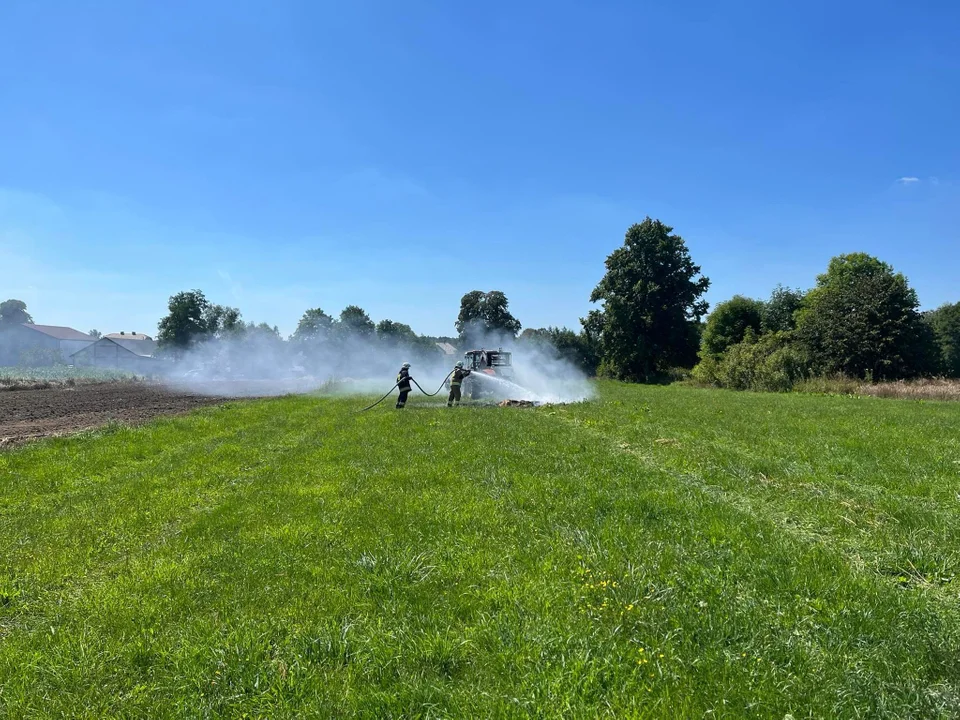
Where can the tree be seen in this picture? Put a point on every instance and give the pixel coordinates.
(273, 331)
(728, 324)
(485, 317)
(261, 332)
(95, 334)
(355, 322)
(314, 326)
(567, 344)
(944, 323)
(14, 312)
(779, 312)
(394, 333)
(222, 322)
(651, 303)
(186, 322)
(471, 311)
(861, 320)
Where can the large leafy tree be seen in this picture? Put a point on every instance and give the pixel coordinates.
(314, 326)
(223, 322)
(944, 322)
(486, 317)
(729, 322)
(14, 312)
(395, 333)
(186, 322)
(355, 322)
(862, 320)
(651, 295)
(779, 312)
(262, 332)
(316, 340)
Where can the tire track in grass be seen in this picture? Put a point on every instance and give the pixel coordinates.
(908, 540)
(492, 581)
(210, 542)
(846, 581)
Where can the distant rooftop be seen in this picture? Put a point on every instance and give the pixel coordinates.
(128, 336)
(140, 348)
(447, 348)
(59, 332)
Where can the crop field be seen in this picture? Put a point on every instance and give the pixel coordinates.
(17, 377)
(655, 552)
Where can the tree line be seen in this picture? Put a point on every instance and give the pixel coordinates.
(218, 333)
(861, 320)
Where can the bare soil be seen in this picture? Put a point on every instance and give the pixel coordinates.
(38, 413)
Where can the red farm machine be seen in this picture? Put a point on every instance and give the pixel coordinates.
(493, 363)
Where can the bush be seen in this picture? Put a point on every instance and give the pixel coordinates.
(772, 363)
(729, 324)
(707, 371)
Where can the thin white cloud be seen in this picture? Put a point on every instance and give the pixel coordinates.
(908, 180)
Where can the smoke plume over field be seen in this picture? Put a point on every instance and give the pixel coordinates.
(258, 364)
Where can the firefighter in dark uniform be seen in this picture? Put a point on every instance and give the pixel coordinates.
(403, 383)
(456, 380)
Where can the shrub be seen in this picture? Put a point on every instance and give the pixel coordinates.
(729, 324)
(771, 363)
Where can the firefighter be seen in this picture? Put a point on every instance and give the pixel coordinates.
(403, 383)
(456, 380)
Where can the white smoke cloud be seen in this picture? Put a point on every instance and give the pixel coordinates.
(539, 374)
(258, 363)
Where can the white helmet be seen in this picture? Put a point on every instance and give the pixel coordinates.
(405, 365)
(459, 363)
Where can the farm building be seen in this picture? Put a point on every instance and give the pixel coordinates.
(446, 348)
(37, 345)
(108, 352)
(135, 342)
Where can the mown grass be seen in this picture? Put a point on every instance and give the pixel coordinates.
(657, 552)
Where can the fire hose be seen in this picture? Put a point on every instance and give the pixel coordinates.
(390, 391)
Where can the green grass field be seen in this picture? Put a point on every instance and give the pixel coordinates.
(657, 552)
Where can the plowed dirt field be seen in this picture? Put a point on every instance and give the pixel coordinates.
(31, 414)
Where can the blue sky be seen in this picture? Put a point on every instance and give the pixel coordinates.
(284, 155)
